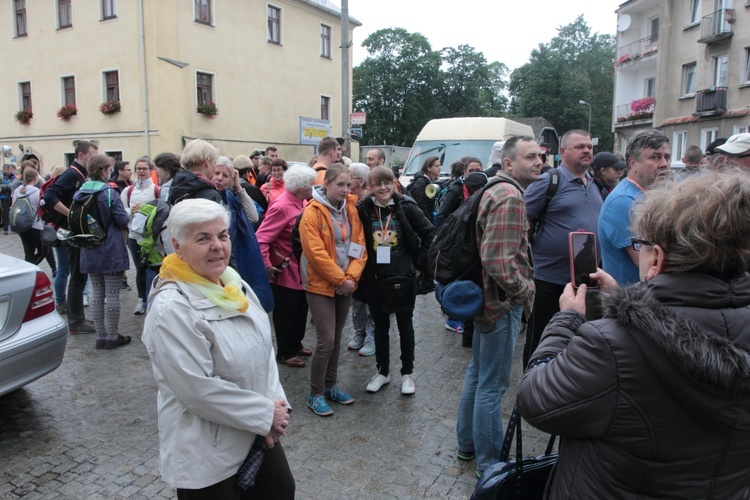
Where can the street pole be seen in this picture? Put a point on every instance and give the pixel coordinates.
(345, 45)
(589, 105)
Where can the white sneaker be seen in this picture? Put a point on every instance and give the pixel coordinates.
(357, 342)
(85, 301)
(140, 307)
(377, 382)
(407, 385)
(368, 349)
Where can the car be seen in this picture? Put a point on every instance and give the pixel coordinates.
(33, 335)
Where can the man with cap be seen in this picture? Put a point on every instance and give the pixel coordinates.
(608, 169)
(648, 157)
(736, 151)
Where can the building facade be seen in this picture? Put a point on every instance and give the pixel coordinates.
(683, 66)
(146, 76)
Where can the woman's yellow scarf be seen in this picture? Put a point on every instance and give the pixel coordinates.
(229, 297)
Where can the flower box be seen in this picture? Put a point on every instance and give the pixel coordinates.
(67, 111)
(110, 107)
(208, 109)
(24, 116)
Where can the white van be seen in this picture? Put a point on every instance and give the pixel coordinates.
(450, 139)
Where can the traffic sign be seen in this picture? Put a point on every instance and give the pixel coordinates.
(358, 118)
(356, 131)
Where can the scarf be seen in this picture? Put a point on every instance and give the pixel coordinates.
(229, 297)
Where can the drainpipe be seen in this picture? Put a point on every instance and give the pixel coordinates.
(142, 36)
(345, 45)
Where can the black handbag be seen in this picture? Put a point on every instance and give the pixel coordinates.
(398, 294)
(523, 478)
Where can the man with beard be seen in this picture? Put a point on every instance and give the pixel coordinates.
(575, 206)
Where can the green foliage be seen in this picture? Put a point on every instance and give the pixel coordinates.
(403, 84)
(575, 65)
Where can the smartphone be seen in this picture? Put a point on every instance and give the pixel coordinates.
(583, 258)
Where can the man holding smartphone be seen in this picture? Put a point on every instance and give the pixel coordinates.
(648, 156)
(508, 290)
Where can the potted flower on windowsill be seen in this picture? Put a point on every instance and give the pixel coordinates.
(110, 107)
(208, 109)
(24, 116)
(67, 111)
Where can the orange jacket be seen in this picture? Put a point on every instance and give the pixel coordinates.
(320, 174)
(321, 273)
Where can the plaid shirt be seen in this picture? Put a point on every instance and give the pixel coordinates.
(504, 250)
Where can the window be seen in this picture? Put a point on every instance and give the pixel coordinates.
(708, 135)
(325, 107)
(109, 9)
(64, 14)
(688, 79)
(203, 12)
(741, 129)
(745, 75)
(654, 29)
(719, 71)
(205, 87)
(325, 41)
(69, 90)
(679, 143)
(111, 86)
(19, 7)
(116, 155)
(274, 25)
(24, 88)
(694, 14)
(650, 86)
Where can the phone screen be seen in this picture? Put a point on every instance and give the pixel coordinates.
(583, 258)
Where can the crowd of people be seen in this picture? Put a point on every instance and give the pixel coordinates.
(623, 371)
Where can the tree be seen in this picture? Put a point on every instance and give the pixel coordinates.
(396, 85)
(470, 86)
(575, 65)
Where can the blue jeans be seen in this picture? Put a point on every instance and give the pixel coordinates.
(61, 278)
(480, 416)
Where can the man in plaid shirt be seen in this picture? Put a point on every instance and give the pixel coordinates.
(508, 289)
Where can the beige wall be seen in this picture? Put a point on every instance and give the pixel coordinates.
(261, 89)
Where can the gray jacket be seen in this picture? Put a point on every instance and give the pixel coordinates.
(653, 401)
(217, 379)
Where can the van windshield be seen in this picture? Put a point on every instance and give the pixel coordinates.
(448, 152)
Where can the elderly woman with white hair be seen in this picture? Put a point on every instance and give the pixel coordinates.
(282, 266)
(220, 402)
(194, 180)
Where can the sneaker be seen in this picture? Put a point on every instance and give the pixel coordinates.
(454, 326)
(368, 349)
(62, 308)
(319, 406)
(118, 342)
(377, 382)
(336, 394)
(140, 307)
(100, 343)
(85, 301)
(125, 286)
(466, 456)
(407, 385)
(86, 326)
(357, 342)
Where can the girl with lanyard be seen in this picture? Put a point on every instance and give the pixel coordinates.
(332, 261)
(397, 236)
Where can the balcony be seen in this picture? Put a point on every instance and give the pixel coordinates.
(640, 49)
(711, 101)
(640, 109)
(717, 26)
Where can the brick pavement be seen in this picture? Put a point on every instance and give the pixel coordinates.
(89, 429)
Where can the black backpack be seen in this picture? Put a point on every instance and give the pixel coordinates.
(453, 254)
(84, 221)
(296, 241)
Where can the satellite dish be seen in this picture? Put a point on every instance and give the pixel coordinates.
(6, 151)
(623, 22)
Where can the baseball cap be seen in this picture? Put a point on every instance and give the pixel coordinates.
(604, 159)
(736, 145)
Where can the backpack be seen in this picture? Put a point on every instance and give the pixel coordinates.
(296, 241)
(48, 213)
(453, 254)
(22, 215)
(148, 223)
(552, 187)
(84, 221)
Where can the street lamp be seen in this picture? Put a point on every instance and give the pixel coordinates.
(589, 105)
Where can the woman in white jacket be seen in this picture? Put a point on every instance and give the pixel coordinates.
(220, 400)
(141, 191)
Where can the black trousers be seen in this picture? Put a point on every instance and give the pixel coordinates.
(274, 480)
(34, 250)
(76, 284)
(289, 319)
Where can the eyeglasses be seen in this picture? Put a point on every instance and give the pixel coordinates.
(143, 169)
(383, 184)
(743, 156)
(637, 243)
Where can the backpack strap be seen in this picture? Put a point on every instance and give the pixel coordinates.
(552, 187)
(130, 192)
(157, 190)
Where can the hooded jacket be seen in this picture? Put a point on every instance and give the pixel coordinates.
(418, 192)
(653, 401)
(321, 263)
(186, 185)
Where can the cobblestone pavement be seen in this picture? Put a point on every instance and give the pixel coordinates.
(89, 429)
